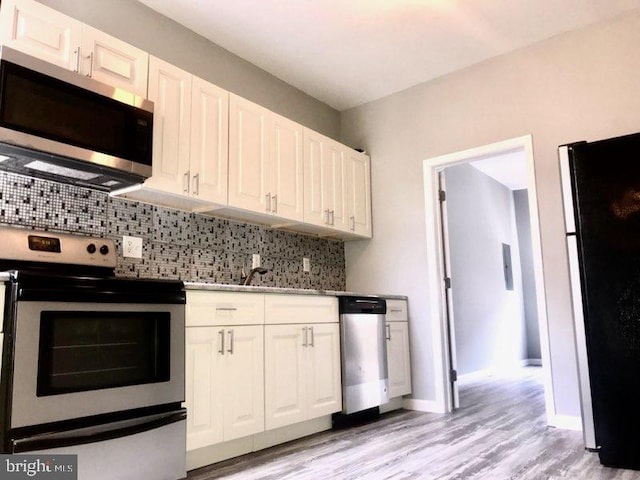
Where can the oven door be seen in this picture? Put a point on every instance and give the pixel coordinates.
(74, 360)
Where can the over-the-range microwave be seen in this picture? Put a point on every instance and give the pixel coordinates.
(64, 126)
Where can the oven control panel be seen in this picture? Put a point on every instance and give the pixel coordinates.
(38, 246)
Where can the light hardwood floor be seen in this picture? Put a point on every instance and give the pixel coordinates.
(499, 433)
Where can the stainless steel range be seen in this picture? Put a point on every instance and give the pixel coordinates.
(91, 364)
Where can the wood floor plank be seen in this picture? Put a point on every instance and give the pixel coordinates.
(499, 433)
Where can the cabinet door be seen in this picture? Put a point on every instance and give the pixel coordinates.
(398, 359)
(114, 62)
(41, 32)
(358, 193)
(244, 382)
(170, 90)
(337, 186)
(285, 164)
(248, 155)
(209, 141)
(317, 179)
(285, 379)
(324, 391)
(203, 386)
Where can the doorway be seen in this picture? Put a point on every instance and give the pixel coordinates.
(446, 385)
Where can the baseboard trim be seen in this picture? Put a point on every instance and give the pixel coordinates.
(422, 405)
(566, 422)
(473, 376)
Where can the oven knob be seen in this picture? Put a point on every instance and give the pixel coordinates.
(91, 248)
(104, 249)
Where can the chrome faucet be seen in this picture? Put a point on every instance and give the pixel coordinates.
(246, 280)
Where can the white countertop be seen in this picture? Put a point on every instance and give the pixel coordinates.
(219, 287)
(286, 291)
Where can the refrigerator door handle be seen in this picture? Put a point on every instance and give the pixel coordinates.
(588, 427)
(567, 189)
(96, 433)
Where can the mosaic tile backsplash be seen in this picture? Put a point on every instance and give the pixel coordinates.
(176, 244)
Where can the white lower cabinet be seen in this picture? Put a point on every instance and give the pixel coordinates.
(224, 383)
(302, 372)
(257, 362)
(398, 359)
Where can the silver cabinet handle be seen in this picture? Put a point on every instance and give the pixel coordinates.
(312, 339)
(230, 342)
(332, 217)
(326, 216)
(90, 57)
(396, 310)
(195, 184)
(221, 333)
(268, 202)
(226, 309)
(304, 336)
(275, 203)
(388, 328)
(185, 183)
(77, 52)
(353, 222)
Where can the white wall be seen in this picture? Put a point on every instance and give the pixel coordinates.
(489, 319)
(577, 86)
(521, 204)
(138, 25)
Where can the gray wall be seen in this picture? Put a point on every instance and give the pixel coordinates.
(521, 203)
(488, 318)
(577, 86)
(138, 25)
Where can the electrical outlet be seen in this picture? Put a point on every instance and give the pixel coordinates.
(255, 260)
(306, 264)
(132, 247)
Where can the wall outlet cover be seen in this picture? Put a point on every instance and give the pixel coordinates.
(132, 247)
(306, 264)
(255, 260)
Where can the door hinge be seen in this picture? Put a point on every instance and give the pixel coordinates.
(442, 195)
(447, 282)
(454, 375)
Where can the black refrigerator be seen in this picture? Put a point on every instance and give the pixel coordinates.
(601, 191)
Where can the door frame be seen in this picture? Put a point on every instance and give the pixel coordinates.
(436, 294)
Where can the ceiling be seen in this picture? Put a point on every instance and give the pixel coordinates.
(509, 168)
(349, 52)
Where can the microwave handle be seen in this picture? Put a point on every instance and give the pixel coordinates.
(96, 433)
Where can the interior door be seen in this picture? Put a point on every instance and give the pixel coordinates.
(446, 283)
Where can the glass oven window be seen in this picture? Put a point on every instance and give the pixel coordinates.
(82, 351)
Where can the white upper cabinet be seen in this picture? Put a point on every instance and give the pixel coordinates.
(114, 62)
(285, 165)
(323, 180)
(209, 141)
(358, 191)
(248, 153)
(337, 186)
(265, 161)
(41, 32)
(170, 90)
(190, 133)
(44, 33)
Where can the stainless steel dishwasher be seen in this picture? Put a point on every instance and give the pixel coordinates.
(364, 353)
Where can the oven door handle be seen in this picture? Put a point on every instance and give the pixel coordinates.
(96, 433)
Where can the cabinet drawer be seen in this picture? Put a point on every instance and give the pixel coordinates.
(286, 309)
(218, 308)
(397, 311)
